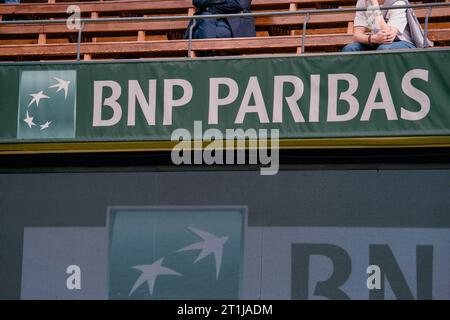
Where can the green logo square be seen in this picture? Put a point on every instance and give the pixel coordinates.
(47, 104)
(175, 253)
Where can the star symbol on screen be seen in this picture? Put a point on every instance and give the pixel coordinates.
(211, 244)
(45, 125)
(149, 274)
(29, 120)
(37, 97)
(61, 85)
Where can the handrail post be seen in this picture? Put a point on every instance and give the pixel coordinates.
(191, 28)
(304, 32)
(79, 41)
(425, 36)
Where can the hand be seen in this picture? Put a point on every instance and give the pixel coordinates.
(390, 35)
(378, 38)
(384, 37)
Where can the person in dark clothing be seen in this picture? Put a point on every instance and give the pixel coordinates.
(222, 28)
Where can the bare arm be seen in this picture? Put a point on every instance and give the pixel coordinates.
(389, 30)
(379, 17)
(359, 35)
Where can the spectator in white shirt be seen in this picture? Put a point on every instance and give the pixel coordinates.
(374, 30)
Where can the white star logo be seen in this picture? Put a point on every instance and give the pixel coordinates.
(37, 97)
(210, 244)
(45, 125)
(61, 85)
(150, 273)
(29, 120)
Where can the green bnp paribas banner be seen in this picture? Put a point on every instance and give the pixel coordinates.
(332, 96)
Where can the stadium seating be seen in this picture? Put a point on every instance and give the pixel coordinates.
(131, 39)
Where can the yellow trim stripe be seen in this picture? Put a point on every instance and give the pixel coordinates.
(139, 146)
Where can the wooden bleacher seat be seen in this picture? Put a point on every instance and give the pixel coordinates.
(178, 48)
(276, 34)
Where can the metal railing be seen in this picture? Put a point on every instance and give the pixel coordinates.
(306, 13)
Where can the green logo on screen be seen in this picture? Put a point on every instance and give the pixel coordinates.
(175, 253)
(47, 104)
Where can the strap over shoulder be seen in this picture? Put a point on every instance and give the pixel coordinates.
(416, 30)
